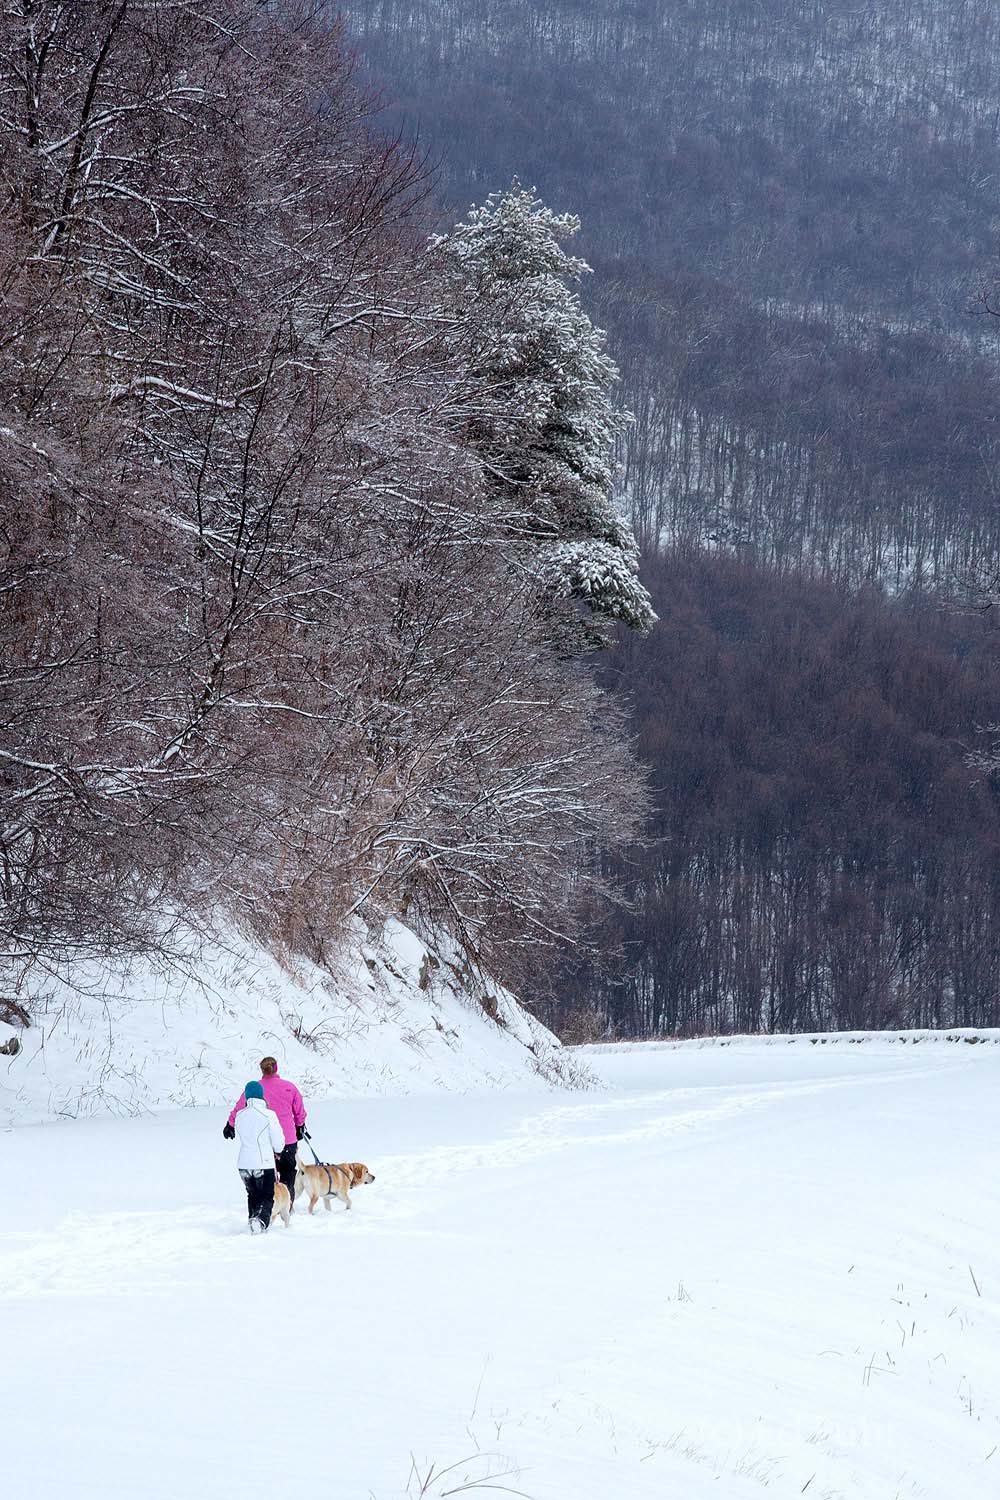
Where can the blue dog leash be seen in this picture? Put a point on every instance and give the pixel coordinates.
(308, 1139)
(329, 1176)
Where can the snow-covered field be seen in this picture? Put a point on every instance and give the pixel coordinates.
(739, 1270)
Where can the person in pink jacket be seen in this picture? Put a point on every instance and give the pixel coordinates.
(286, 1101)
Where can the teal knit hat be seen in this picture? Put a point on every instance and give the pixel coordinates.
(254, 1090)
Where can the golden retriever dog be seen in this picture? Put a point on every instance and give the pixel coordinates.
(326, 1181)
(282, 1204)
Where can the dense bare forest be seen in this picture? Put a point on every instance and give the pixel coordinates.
(821, 854)
(793, 210)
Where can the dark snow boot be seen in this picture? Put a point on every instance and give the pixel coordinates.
(287, 1165)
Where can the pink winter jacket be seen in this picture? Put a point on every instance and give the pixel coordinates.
(286, 1101)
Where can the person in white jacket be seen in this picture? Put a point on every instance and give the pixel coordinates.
(261, 1139)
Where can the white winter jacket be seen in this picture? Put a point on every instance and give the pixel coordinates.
(260, 1137)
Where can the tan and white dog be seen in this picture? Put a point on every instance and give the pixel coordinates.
(323, 1180)
(282, 1204)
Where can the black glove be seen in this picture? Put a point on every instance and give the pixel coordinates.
(300, 1131)
(229, 1132)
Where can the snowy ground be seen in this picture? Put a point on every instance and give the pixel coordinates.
(738, 1271)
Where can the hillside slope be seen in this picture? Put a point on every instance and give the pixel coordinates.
(393, 1016)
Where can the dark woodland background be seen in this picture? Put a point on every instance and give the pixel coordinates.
(791, 208)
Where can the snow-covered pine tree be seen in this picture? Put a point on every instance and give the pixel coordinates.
(544, 422)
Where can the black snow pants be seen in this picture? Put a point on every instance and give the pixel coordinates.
(286, 1168)
(260, 1195)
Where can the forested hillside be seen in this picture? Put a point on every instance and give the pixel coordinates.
(311, 517)
(305, 530)
(790, 207)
